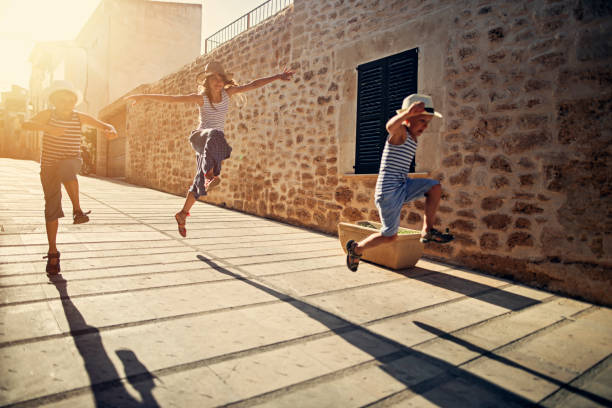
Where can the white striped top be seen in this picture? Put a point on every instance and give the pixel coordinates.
(68, 146)
(212, 116)
(395, 165)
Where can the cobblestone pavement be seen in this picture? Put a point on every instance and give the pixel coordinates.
(251, 312)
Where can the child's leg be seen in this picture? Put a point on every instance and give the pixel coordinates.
(68, 173)
(52, 188)
(181, 216)
(52, 227)
(373, 241)
(429, 233)
(389, 209)
(431, 207)
(216, 151)
(189, 201)
(72, 188)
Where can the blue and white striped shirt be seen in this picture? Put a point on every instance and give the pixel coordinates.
(395, 165)
(213, 117)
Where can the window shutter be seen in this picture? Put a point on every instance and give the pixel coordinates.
(371, 108)
(382, 86)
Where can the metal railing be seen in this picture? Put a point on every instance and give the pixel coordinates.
(252, 18)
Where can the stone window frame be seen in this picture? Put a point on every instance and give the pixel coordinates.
(431, 73)
(382, 84)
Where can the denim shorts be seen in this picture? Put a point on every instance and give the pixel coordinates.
(390, 204)
(51, 178)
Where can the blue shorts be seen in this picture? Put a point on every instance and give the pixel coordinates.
(390, 204)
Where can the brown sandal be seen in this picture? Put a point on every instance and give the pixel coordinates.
(53, 269)
(180, 218)
(80, 217)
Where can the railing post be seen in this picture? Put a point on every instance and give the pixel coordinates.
(248, 21)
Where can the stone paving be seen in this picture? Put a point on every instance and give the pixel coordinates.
(249, 312)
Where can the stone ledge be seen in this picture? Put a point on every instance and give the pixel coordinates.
(375, 175)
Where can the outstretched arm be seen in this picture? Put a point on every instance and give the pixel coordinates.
(192, 98)
(107, 128)
(258, 83)
(39, 123)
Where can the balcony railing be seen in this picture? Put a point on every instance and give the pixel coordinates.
(252, 18)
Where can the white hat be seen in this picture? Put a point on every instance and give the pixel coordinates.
(429, 109)
(62, 85)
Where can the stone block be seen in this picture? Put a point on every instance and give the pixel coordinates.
(491, 203)
(497, 221)
(489, 241)
(520, 239)
(403, 252)
(501, 163)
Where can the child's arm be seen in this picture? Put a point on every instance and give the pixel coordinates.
(258, 83)
(107, 128)
(39, 123)
(192, 98)
(397, 133)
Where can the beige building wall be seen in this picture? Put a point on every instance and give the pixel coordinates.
(126, 43)
(523, 151)
(129, 42)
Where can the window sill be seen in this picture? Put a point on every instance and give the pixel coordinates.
(375, 175)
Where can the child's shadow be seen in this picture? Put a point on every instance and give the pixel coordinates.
(106, 384)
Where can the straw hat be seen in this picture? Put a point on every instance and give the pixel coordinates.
(63, 85)
(426, 99)
(213, 67)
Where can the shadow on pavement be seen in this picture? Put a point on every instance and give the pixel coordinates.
(434, 379)
(107, 388)
(486, 353)
(485, 293)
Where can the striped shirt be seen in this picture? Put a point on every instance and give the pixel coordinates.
(395, 165)
(213, 117)
(68, 146)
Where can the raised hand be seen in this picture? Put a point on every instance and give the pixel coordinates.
(286, 74)
(417, 108)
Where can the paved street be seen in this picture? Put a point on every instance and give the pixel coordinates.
(249, 312)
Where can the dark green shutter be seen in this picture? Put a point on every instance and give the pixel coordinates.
(382, 86)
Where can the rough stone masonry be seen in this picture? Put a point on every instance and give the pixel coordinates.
(523, 151)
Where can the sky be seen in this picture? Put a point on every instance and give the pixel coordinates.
(24, 22)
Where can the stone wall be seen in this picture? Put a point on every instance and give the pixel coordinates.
(523, 151)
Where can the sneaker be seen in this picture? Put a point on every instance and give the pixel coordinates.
(433, 235)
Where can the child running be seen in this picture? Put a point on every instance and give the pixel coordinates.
(60, 159)
(394, 187)
(208, 140)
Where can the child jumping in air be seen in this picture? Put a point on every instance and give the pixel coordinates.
(208, 140)
(60, 159)
(394, 187)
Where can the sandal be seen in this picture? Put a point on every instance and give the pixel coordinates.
(211, 183)
(180, 218)
(79, 217)
(433, 235)
(53, 269)
(351, 256)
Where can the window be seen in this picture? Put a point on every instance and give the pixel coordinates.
(382, 86)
